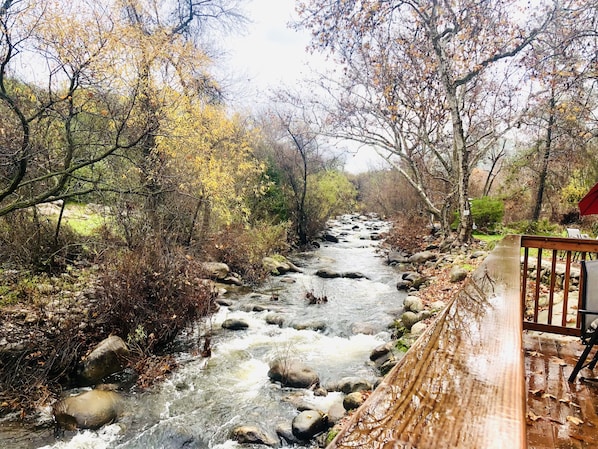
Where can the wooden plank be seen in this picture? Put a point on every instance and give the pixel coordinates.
(560, 414)
(461, 385)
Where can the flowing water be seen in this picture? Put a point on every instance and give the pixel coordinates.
(200, 404)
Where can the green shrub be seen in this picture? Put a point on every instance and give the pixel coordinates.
(541, 227)
(487, 213)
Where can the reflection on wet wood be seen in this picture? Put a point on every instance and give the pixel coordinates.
(560, 414)
(461, 385)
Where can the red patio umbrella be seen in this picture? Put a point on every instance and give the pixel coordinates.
(589, 203)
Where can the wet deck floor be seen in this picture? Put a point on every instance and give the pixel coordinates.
(559, 414)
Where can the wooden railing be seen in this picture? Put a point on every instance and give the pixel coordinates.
(462, 384)
(550, 282)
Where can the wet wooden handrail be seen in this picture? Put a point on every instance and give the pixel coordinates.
(461, 385)
(544, 310)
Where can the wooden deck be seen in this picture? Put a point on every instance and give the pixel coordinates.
(559, 414)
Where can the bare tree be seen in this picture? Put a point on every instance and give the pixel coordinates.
(429, 73)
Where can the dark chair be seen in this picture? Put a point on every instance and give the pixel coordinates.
(589, 319)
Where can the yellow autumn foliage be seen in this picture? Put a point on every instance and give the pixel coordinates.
(211, 155)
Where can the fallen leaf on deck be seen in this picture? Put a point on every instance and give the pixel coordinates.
(558, 360)
(569, 402)
(532, 416)
(575, 420)
(548, 395)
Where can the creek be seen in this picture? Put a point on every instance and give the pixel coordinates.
(200, 403)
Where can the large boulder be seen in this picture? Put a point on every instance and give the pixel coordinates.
(308, 424)
(234, 324)
(107, 358)
(423, 257)
(216, 270)
(253, 435)
(413, 304)
(327, 273)
(396, 257)
(89, 410)
(292, 373)
(351, 384)
(279, 265)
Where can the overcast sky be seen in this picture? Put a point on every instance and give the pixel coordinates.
(270, 55)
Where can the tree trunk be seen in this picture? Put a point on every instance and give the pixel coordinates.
(545, 160)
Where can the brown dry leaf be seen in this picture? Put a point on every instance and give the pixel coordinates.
(538, 392)
(558, 360)
(532, 416)
(549, 396)
(569, 402)
(575, 420)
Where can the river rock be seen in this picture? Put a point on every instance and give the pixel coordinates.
(418, 328)
(89, 410)
(381, 351)
(279, 265)
(330, 238)
(253, 435)
(413, 304)
(318, 326)
(234, 324)
(353, 400)
(458, 274)
(308, 424)
(422, 257)
(275, 319)
(105, 359)
(216, 270)
(285, 432)
(409, 319)
(364, 328)
(387, 365)
(336, 411)
(396, 257)
(354, 275)
(224, 302)
(232, 279)
(327, 273)
(478, 254)
(292, 373)
(352, 384)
